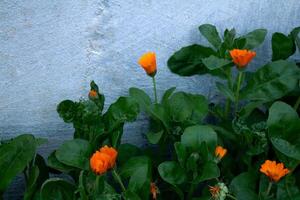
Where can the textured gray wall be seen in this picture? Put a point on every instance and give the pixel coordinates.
(50, 50)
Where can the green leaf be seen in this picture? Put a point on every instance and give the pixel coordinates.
(31, 183)
(125, 109)
(284, 129)
(287, 189)
(172, 172)
(14, 156)
(188, 60)
(129, 195)
(184, 106)
(139, 170)
(194, 136)
(67, 110)
(141, 97)
(213, 62)
(56, 164)
(228, 93)
(126, 151)
(282, 46)
(58, 189)
(243, 186)
(272, 81)
(154, 138)
(209, 171)
(75, 153)
(181, 153)
(295, 34)
(254, 38)
(211, 34)
(167, 94)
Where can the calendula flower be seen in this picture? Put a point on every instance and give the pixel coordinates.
(220, 152)
(103, 160)
(153, 190)
(92, 94)
(148, 63)
(241, 57)
(219, 191)
(273, 170)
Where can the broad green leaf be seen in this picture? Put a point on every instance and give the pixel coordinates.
(211, 34)
(282, 46)
(254, 38)
(14, 156)
(167, 94)
(194, 136)
(181, 153)
(272, 81)
(67, 110)
(284, 129)
(243, 186)
(129, 195)
(31, 183)
(209, 171)
(188, 60)
(75, 153)
(58, 189)
(184, 106)
(141, 97)
(228, 93)
(295, 33)
(125, 109)
(126, 151)
(213, 62)
(172, 172)
(154, 138)
(56, 164)
(287, 189)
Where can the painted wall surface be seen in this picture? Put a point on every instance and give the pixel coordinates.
(51, 50)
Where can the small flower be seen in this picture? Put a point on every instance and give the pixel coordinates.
(273, 170)
(92, 94)
(220, 152)
(148, 63)
(241, 57)
(103, 160)
(219, 191)
(154, 190)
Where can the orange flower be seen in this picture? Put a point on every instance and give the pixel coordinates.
(242, 57)
(153, 190)
(112, 154)
(103, 160)
(220, 152)
(273, 170)
(92, 94)
(214, 191)
(148, 62)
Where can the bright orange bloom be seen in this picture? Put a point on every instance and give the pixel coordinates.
(241, 57)
(93, 94)
(112, 154)
(273, 170)
(103, 160)
(220, 152)
(214, 191)
(153, 190)
(148, 62)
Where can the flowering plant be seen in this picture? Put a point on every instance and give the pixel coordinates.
(245, 148)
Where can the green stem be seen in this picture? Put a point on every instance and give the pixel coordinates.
(231, 197)
(269, 188)
(296, 106)
(191, 192)
(118, 179)
(154, 88)
(237, 92)
(97, 186)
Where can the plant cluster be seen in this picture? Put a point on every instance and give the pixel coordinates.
(245, 147)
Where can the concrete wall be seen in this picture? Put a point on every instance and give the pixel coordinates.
(50, 50)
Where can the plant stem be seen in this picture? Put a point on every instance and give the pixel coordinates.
(269, 188)
(237, 93)
(191, 191)
(118, 179)
(154, 88)
(231, 197)
(296, 106)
